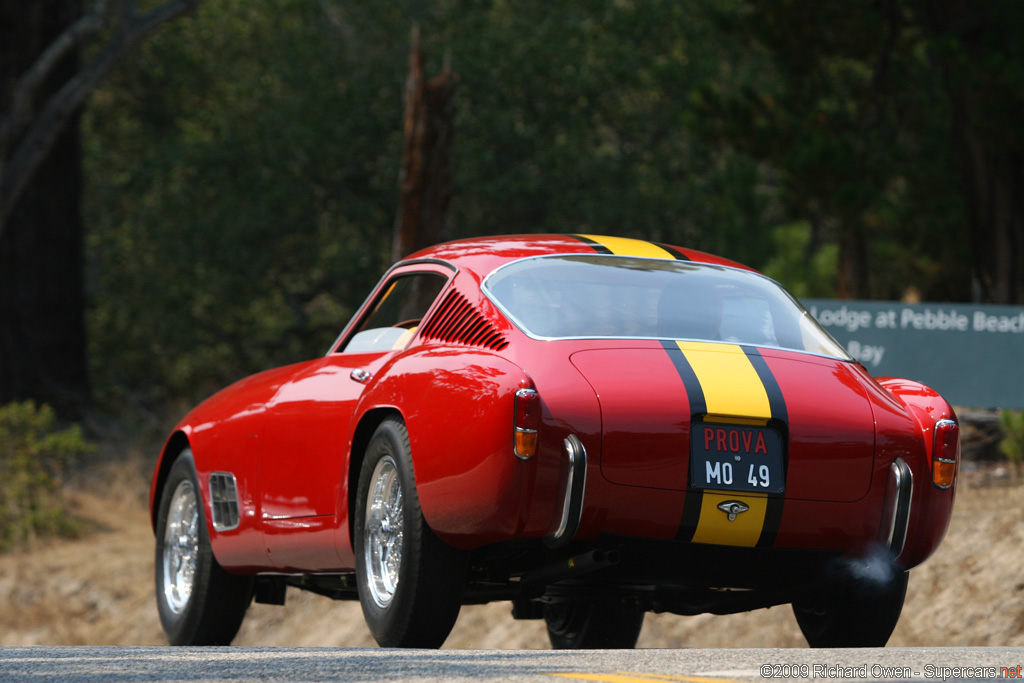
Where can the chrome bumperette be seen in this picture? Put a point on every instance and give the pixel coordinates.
(224, 501)
(575, 489)
(900, 492)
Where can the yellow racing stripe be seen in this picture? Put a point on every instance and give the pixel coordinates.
(625, 246)
(732, 387)
(714, 525)
(733, 392)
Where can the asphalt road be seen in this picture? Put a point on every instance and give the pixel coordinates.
(202, 665)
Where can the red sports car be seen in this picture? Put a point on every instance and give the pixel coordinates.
(589, 427)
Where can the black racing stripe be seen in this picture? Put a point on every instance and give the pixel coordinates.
(598, 247)
(691, 515)
(773, 513)
(694, 392)
(675, 252)
(775, 398)
(698, 407)
(772, 520)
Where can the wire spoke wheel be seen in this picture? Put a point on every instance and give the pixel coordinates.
(181, 547)
(198, 601)
(385, 515)
(410, 582)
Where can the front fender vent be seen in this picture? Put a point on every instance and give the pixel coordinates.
(458, 322)
(224, 501)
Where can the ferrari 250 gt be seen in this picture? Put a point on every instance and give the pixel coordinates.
(588, 427)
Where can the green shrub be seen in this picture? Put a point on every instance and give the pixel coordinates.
(1012, 445)
(33, 457)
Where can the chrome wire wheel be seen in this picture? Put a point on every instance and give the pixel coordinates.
(181, 547)
(383, 531)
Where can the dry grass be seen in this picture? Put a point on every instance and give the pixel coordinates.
(98, 590)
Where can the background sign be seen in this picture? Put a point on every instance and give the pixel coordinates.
(971, 354)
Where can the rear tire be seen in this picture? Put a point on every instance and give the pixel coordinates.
(598, 625)
(855, 614)
(199, 602)
(410, 582)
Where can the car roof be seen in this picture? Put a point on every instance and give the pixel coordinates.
(484, 254)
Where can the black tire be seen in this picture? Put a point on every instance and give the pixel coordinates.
(208, 610)
(856, 614)
(410, 582)
(586, 625)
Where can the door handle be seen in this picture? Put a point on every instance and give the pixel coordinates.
(360, 375)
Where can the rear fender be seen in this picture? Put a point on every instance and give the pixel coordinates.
(458, 407)
(931, 506)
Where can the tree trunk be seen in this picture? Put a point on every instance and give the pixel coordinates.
(853, 263)
(993, 179)
(976, 50)
(42, 326)
(426, 180)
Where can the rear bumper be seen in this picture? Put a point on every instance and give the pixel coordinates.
(901, 518)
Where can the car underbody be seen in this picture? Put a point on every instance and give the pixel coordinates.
(657, 576)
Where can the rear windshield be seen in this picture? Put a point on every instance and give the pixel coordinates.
(601, 296)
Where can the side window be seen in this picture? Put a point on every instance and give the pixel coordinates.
(396, 314)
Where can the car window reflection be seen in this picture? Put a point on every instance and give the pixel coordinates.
(601, 296)
(395, 316)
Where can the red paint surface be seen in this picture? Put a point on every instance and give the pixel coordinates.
(292, 437)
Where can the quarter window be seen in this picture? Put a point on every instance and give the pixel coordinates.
(396, 314)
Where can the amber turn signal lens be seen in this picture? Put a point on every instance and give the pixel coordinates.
(526, 444)
(945, 453)
(943, 473)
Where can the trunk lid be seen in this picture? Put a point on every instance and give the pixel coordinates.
(653, 399)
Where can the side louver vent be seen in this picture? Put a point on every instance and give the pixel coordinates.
(224, 501)
(457, 321)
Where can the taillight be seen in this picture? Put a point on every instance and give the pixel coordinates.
(527, 422)
(945, 453)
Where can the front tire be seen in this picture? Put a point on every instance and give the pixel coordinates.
(586, 625)
(855, 614)
(410, 582)
(199, 602)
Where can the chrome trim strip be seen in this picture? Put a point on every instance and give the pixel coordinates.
(575, 490)
(903, 479)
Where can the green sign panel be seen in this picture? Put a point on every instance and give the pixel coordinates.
(971, 354)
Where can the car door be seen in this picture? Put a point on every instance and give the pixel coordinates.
(304, 458)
